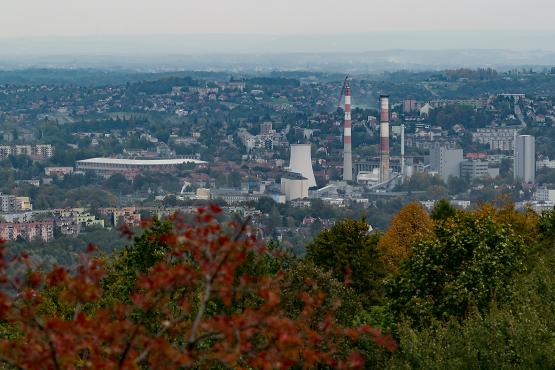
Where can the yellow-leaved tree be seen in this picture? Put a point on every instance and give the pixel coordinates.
(410, 224)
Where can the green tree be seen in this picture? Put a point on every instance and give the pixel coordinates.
(145, 251)
(469, 261)
(514, 334)
(350, 251)
(436, 191)
(322, 280)
(275, 218)
(443, 210)
(234, 179)
(119, 184)
(456, 185)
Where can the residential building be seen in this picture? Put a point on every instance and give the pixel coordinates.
(545, 163)
(126, 216)
(266, 128)
(545, 195)
(446, 162)
(476, 168)
(43, 230)
(497, 138)
(58, 171)
(11, 203)
(525, 158)
(79, 215)
(38, 151)
(409, 106)
(24, 204)
(235, 196)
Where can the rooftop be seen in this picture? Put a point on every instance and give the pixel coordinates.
(141, 162)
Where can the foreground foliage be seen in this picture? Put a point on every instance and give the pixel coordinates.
(470, 260)
(350, 251)
(516, 332)
(182, 298)
(458, 290)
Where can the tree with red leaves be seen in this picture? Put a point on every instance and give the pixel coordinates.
(196, 303)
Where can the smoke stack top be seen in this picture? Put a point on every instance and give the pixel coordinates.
(384, 108)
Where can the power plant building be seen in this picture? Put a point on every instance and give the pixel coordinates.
(525, 158)
(294, 186)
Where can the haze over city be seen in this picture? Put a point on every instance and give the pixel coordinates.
(244, 26)
(286, 17)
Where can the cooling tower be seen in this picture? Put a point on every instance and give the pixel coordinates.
(301, 162)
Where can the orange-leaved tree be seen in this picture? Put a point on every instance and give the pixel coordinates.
(409, 225)
(196, 306)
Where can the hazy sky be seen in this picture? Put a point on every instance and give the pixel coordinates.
(21, 18)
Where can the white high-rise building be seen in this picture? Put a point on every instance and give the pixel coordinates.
(525, 158)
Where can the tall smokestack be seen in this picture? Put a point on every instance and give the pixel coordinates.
(347, 142)
(384, 138)
(402, 149)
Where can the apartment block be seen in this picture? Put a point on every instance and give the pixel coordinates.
(11, 203)
(475, 168)
(38, 152)
(43, 230)
(497, 138)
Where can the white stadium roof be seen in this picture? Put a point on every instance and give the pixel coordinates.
(142, 162)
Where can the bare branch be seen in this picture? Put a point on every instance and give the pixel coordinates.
(127, 347)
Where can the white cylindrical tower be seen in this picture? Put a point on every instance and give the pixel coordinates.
(301, 162)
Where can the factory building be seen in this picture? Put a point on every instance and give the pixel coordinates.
(294, 186)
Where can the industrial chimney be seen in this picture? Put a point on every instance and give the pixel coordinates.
(301, 162)
(384, 138)
(402, 149)
(347, 142)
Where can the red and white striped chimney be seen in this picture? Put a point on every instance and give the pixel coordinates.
(384, 138)
(347, 142)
